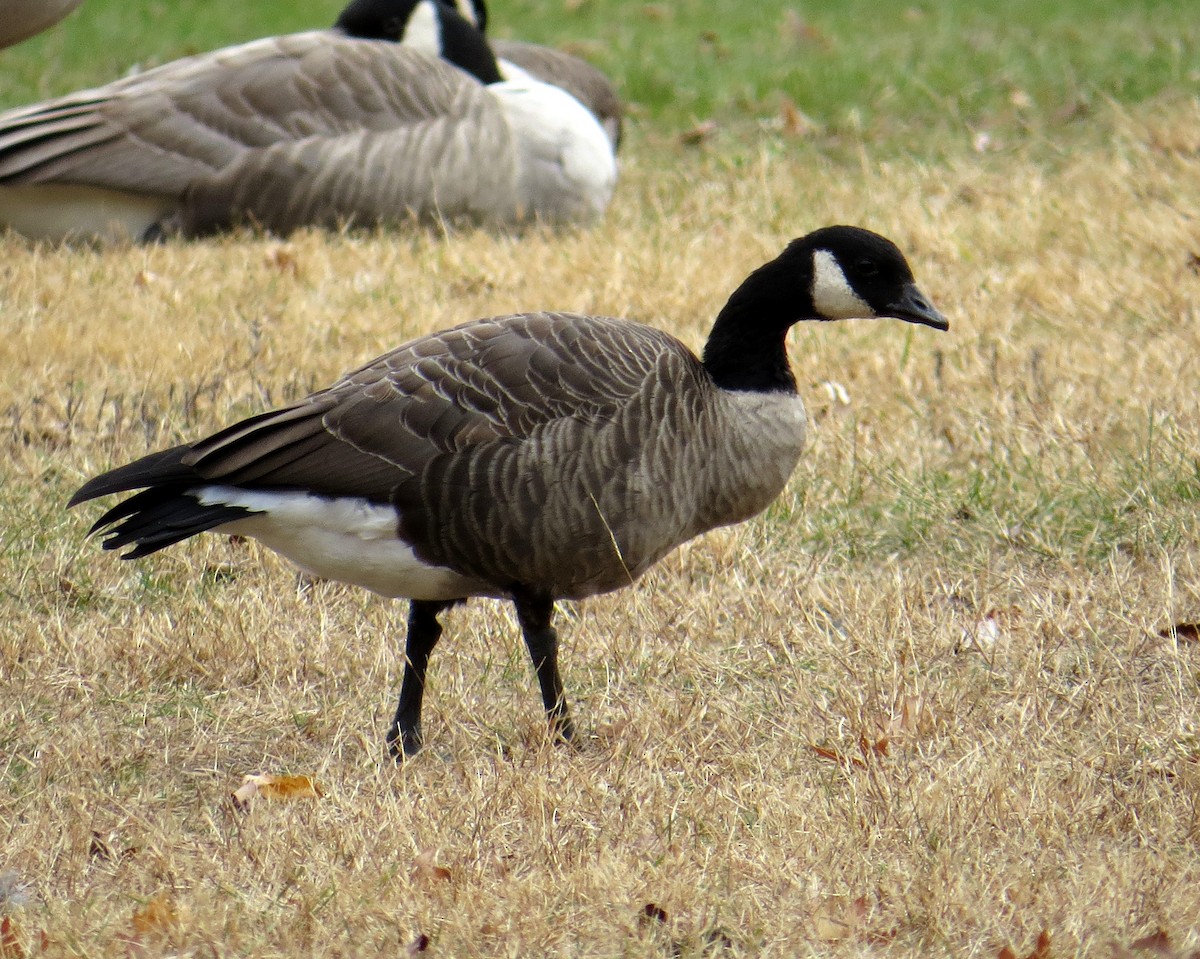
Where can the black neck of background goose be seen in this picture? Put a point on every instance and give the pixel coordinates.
(747, 350)
(467, 48)
(462, 44)
(478, 15)
(375, 19)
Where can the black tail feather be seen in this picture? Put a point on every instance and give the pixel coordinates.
(156, 518)
(157, 469)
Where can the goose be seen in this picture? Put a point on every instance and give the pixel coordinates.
(530, 458)
(318, 128)
(22, 19)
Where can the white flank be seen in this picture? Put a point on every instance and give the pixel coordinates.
(832, 294)
(424, 30)
(57, 212)
(347, 539)
(567, 167)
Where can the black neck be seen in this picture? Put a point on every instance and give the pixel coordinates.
(462, 44)
(374, 20)
(746, 350)
(465, 47)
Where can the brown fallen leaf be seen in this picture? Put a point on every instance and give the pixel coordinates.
(1040, 951)
(158, 915)
(284, 260)
(652, 913)
(839, 917)
(796, 123)
(834, 756)
(915, 716)
(1181, 632)
(276, 787)
(10, 942)
(425, 868)
(702, 132)
(801, 32)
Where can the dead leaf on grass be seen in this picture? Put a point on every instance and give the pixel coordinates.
(652, 913)
(801, 32)
(1181, 632)
(158, 915)
(10, 943)
(1040, 951)
(839, 917)
(914, 716)
(284, 260)
(795, 123)
(1158, 944)
(276, 787)
(424, 867)
(834, 756)
(701, 133)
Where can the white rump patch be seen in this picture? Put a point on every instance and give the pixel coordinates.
(347, 539)
(424, 30)
(832, 294)
(58, 211)
(566, 167)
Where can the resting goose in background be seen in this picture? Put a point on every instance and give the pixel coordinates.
(532, 458)
(22, 19)
(316, 128)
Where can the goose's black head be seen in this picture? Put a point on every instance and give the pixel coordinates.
(835, 273)
(854, 273)
(435, 27)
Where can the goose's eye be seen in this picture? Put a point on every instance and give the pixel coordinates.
(867, 268)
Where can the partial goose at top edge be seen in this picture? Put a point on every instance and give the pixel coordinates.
(533, 457)
(317, 128)
(22, 19)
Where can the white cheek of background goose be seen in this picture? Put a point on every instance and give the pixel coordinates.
(832, 294)
(423, 31)
(343, 538)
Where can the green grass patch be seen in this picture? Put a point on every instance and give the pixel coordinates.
(916, 78)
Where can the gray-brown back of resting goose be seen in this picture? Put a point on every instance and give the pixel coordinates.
(318, 128)
(22, 19)
(534, 457)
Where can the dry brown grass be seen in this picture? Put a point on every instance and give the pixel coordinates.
(935, 577)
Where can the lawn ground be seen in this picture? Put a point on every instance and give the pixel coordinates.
(931, 703)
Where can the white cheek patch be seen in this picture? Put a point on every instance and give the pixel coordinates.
(467, 11)
(832, 294)
(423, 31)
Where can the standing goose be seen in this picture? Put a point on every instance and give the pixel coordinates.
(21, 19)
(317, 128)
(533, 457)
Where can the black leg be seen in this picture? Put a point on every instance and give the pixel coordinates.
(535, 612)
(424, 630)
